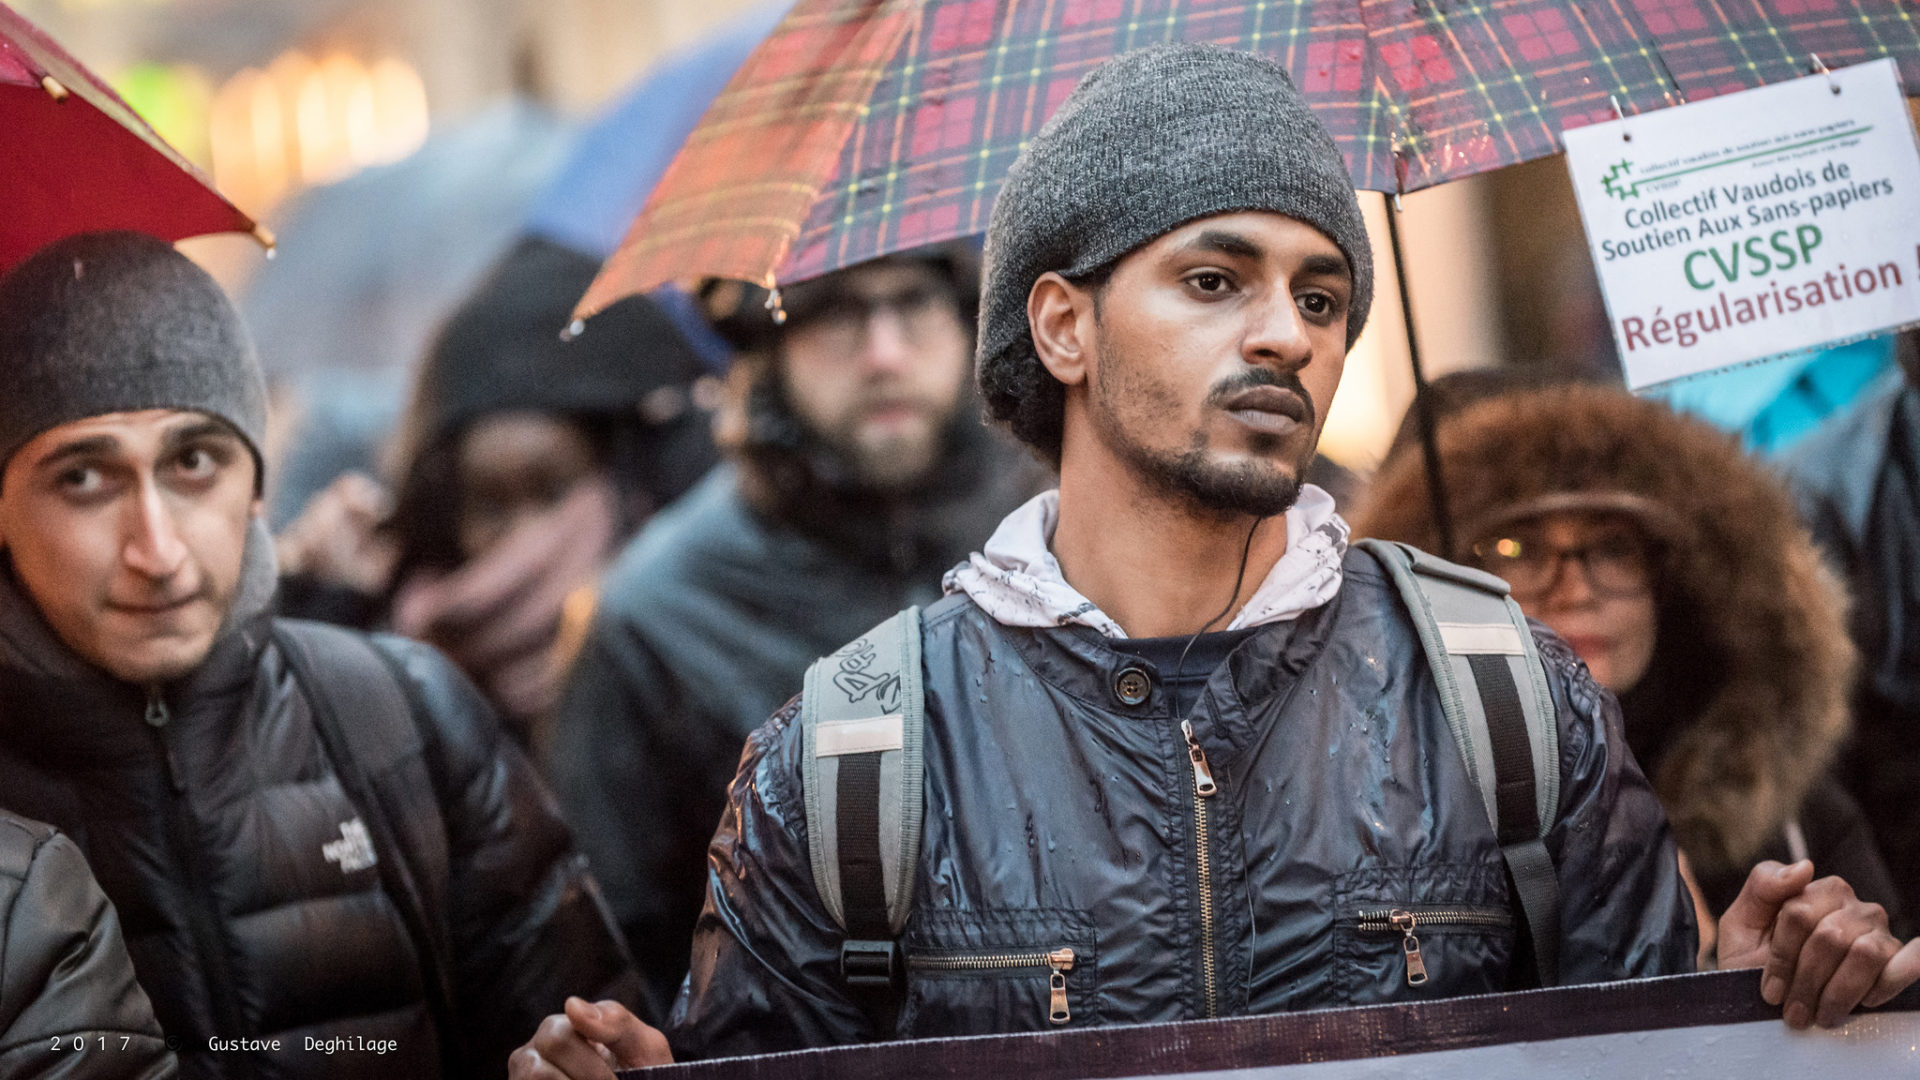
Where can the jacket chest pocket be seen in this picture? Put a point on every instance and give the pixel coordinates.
(1422, 940)
(999, 971)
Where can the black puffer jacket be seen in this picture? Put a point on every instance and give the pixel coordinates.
(1058, 816)
(69, 1007)
(216, 822)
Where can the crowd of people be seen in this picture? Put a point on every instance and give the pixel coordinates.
(503, 767)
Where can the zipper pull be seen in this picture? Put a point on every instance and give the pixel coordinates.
(1202, 773)
(158, 716)
(157, 713)
(1404, 922)
(1061, 961)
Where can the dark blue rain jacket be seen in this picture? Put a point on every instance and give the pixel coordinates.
(1060, 817)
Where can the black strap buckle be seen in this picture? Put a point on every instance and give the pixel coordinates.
(870, 964)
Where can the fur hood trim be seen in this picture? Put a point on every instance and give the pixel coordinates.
(1735, 550)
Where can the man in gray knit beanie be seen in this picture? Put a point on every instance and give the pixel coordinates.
(1221, 721)
(130, 381)
(333, 820)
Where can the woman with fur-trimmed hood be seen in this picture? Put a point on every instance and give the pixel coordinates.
(1700, 602)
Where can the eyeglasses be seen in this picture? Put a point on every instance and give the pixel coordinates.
(1617, 563)
(846, 319)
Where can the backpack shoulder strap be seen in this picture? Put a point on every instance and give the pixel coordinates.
(862, 717)
(343, 675)
(1494, 692)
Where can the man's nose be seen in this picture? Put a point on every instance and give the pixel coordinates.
(1277, 335)
(886, 347)
(153, 546)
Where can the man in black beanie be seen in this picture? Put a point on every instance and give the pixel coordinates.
(1184, 752)
(327, 859)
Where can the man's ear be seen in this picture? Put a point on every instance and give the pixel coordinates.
(1060, 316)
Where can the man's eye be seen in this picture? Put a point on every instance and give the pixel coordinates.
(198, 462)
(1316, 303)
(1209, 281)
(81, 481)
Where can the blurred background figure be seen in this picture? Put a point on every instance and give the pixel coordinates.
(859, 472)
(524, 463)
(1676, 568)
(1859, 479)
(370, 268)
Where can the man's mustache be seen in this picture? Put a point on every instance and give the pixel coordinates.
(1261, 376)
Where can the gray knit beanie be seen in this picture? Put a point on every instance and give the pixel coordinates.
(116, 322)
(1150, 141)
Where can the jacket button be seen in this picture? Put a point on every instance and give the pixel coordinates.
(1132, 685)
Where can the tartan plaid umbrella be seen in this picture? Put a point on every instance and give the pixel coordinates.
(863, 127)
(75, 158)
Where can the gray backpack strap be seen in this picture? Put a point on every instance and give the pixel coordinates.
(863, 723)
(1494, 692)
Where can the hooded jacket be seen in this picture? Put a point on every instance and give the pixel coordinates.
(1745, 702)
(251, 896)
(707, 622)
(69, 1006)
(1059, 816)
(1859, 481)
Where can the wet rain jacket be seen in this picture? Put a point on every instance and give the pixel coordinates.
(1060, 817)
(251, 901)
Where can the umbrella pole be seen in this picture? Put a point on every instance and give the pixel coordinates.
(1422, 395)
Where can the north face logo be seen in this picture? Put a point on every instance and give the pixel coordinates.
(353, 851)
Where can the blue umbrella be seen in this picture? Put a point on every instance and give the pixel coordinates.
(368, 269)
(618, 159)
(1772, 405)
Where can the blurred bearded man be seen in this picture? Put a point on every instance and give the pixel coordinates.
(860, 472)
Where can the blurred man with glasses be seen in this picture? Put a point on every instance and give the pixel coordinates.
(1675, 568)
(859, 472)
(1587, 572)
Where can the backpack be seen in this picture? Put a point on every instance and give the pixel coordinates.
(350, 684)
(863, 714)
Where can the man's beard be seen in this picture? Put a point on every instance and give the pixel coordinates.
(889, 465)
(1259, 488)
(835, 457)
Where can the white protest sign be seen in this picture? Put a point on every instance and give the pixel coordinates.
(1756, 224)
(1886, 1045)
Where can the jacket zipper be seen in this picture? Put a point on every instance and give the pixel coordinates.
(1203, 789)
(204, 926)
(1056, 962)
(1404, 921)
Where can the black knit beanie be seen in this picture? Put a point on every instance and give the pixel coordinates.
(501, 351)
(117, 322)
(1150, 141)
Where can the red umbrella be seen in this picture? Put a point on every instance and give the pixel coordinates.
(75, 158)
(862, 127)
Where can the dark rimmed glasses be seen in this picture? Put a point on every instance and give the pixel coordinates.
(1616, 559)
